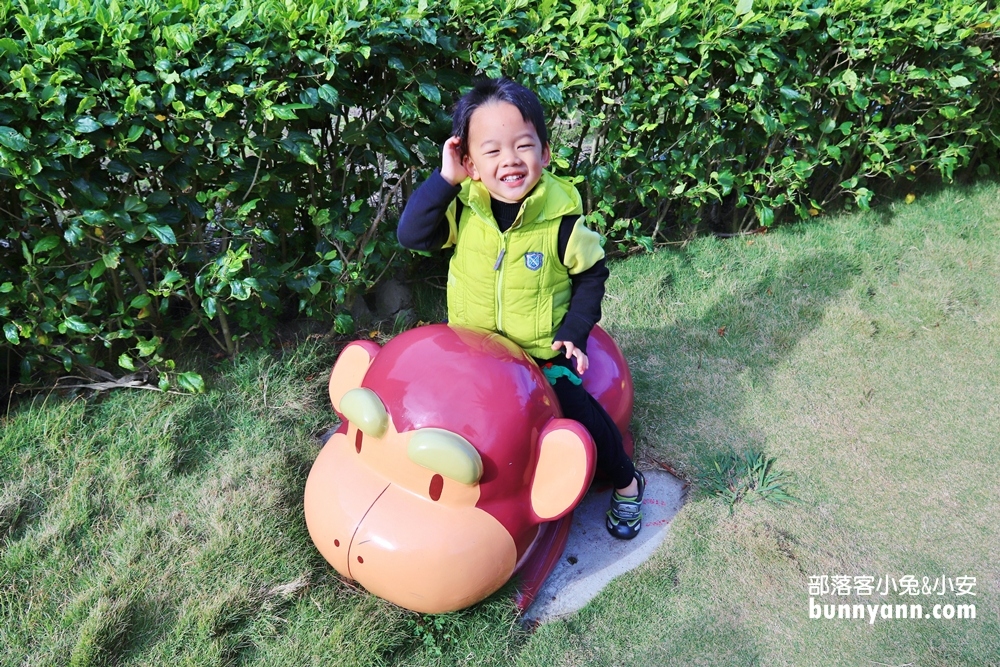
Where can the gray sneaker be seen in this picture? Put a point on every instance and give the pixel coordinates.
(625, 516)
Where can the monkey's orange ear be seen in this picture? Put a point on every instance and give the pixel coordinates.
(350, 369)
(566, 461)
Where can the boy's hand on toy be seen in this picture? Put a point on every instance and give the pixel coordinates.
(572, 351)
(452, 169)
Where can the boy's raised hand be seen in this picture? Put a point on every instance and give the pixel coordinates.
(572, 351)
(452, 169)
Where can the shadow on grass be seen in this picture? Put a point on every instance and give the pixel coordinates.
(200, 435)
(694, 399)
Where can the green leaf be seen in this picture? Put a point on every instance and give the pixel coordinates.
(6, 287)
(328, 94)
(86, 124)
(125, 361)
(140, 301)
(285, 111)
(73, 234)
(170, 277)
(959, 81)
(46, 244)
(667, 11)
(765, 215)
(398, 146)
(8, 45)
(311, 57)
(582, 13)
(246, 208)
(11, 332)
(238, 18)
(744, 7)
(78, 325)
(134, 204)
(431, 92)
(147, 347)
(86, 104)
(790, 93)
(191, 382)
(239, 290)
(164, 233)
(181, 36)
(343, 323)
(13, 139)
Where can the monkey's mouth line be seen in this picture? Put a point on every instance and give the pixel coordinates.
(350, 548)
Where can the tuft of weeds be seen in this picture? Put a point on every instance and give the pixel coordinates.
(485, 634)
(436, 632)
(746, 477)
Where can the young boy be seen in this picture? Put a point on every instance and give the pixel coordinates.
(524, 264)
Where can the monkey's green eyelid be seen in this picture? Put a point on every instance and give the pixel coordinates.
(363, 408)
(446, 453)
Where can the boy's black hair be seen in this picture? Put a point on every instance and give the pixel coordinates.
(486, 91)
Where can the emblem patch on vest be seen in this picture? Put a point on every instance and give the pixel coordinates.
(533, 260)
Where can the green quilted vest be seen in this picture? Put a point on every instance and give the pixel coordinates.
(513, 282)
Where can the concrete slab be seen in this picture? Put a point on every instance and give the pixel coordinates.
(593, 558)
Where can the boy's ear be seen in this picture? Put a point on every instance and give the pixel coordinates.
(546, 156)
(470, 167)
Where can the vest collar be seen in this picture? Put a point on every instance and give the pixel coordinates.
(552, 197)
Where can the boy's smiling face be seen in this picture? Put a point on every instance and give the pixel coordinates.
(505, 152)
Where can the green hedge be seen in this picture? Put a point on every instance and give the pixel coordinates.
(172, 168)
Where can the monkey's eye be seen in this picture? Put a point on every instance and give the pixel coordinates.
(447, 454)
(363, 408)
(437, 485)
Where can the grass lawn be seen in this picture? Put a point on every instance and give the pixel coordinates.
(859, 352)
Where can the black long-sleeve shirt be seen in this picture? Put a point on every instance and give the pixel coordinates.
(424, 226)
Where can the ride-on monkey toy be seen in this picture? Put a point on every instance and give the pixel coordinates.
(453, 468)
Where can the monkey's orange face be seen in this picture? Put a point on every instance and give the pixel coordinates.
(407, 533)
(402, 500)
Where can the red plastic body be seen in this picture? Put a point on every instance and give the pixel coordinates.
(412, 526)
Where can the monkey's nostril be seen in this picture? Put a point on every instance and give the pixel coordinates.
(357, 440)
(336, 543)
(360, 559)
(437, 485)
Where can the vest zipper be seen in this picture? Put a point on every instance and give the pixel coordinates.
(499, 267)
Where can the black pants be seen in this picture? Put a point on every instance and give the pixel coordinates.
(578, 404)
